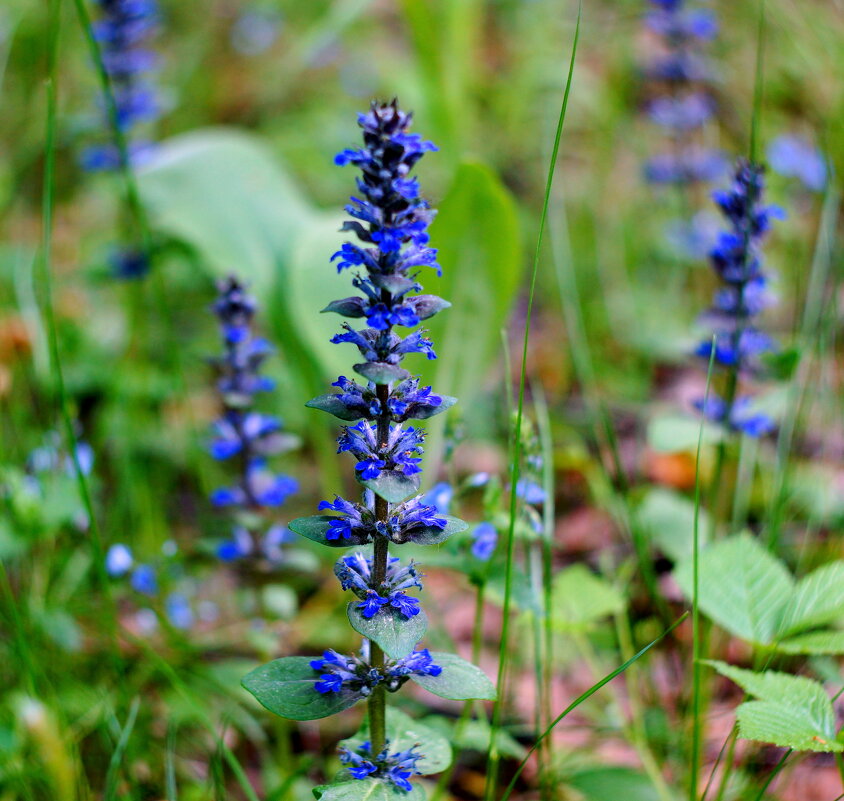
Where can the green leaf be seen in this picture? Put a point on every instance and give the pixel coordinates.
(225, 194)
(367, 790)
(668, 520)
(816, 642)
(613, 783)
(286, 688)
(333, 405)
(394, 632)
(674, 433)
(381, 372)
(430, 411)
(460, 680)
(793, 711)
(431, 535)
(580, 598)
(742, 587)
(474, 735)
(393, 486)
(818, 599)
(315, 527)
(404, 732)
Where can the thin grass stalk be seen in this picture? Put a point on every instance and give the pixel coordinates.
(696, 632)
(120, 749)
(45, 271)
(585, 696)
(492, 763)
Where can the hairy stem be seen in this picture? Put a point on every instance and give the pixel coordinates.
(378, 701)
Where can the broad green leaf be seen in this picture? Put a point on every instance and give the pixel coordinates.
(580, 598)
(474, 735)
(394, 632)
(476, 232)
(668, 519)
(613, 783)
(431, 535)
(381, 373)
(793, 711)
(460, 680)
(315, 527)
(404, 732)
(393, 486)
(818, 599)
(431, 411)
(742, 587)
(226, 195)
(816, 642)
(286, 688)
(367, 790)
(674, 433)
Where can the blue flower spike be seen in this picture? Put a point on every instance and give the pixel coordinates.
(386, 256)
(244, 436)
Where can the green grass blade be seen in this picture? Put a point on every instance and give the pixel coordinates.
(117, 757)
(585, 696)
(492, 763)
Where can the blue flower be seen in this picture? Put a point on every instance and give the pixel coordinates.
(178, 611)
(420, 663)
(484, 541)
(144, 581)
(795, 157)
(398, 454)
(355, 573)
(742, 417)
(394, 768)
(372, 603)
(440, 497)
(344, 674)
(118, 560)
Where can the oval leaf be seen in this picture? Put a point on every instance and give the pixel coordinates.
(367, 790)
(381, 372)
(431, 535)
(286, 687)
(315, 528)
(332, 404)
(393, 486)
(424, 412)
(396, 634)
(459, 681)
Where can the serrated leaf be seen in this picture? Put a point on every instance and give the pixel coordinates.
(460, 680)
(668, 520)
(393, 486)
(396, 634)
(315, 527)
(286, 688)
(381, 372)
(580, 598)
(431, 535)
(816, 642)
(817, 599)
(742, 587)
(792, 711)
(332, 404)
(404, 732)
(367, 790)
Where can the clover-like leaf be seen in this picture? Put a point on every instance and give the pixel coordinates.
(381, 372)
(316, 527)
(367, 790)
(431, 535)
(792, 711)
(403, 732)
(396, 634)
(286, 688)
(332, 404)
(460, 680)
(393, 486)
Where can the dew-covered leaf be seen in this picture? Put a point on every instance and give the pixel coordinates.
(460, 680)
(315, 528)
(286, 688)
(396, 634)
